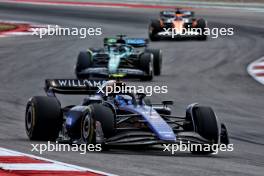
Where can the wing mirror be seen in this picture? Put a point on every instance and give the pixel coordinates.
(166, 103)
(141, 96)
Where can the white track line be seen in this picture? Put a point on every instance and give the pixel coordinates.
(206, 5)
(63, 4)
(7, 153)
(252, 71)
(52, 166)
(256, 7)
(37, 167)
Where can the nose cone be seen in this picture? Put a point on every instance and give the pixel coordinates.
(113, 63)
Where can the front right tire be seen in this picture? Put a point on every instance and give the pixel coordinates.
(207, 126)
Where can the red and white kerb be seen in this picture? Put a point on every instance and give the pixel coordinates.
(14, 163)
(256, 70)
(23, 28)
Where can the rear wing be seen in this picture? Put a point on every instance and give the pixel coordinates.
(168, 14)
(135, 42)
(72, 86)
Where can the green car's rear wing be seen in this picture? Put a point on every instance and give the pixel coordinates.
(135, 42)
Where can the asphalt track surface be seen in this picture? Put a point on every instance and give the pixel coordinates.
(211, 73)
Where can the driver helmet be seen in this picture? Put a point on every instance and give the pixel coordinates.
(123, 100)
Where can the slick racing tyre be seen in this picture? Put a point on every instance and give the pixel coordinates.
(146, 64)
(224, 139)
(105, 116)
(88, 129)
(157, 60)
(206, 125)
(43, 119)
(154, 29)
(84, 61)
(201, 24)
(192, 14)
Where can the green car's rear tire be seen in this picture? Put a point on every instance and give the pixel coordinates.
(146, 64)
(84, 61)
(157, 60)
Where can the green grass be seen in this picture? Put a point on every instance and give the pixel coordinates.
(6, 27)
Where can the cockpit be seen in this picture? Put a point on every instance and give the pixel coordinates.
(123, 99)
(118, 48)
(118, 93)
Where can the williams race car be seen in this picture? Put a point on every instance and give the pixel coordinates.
(117, 119)
(176, 24)
(120, 57)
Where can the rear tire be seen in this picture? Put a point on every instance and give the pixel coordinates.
(206, 125)
(224, 139)
(43, 118)
(192, 14)
(154, 29)
(88, 129)
(105, 116)
(146, 64)
(84, 61)
(157, 60)
(201, 23)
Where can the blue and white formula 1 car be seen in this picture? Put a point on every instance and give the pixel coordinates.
(117, 119)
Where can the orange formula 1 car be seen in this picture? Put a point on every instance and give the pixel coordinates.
(175, 24)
